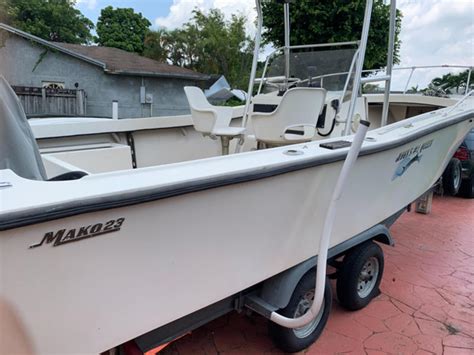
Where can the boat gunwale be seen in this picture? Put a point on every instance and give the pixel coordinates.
(22, 218)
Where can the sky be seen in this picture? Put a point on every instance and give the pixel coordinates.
(434, 32)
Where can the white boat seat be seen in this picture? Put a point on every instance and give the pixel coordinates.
(210, 120)
(228, 131)
(293, 121)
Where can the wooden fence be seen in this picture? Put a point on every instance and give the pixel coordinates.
(38, 101)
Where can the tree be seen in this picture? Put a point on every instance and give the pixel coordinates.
(207, 43)
(371, 88)
(156, 45)
(452, 82)
(4, 16)
(180, 47)
(52, 20)
(122, 28)
(333, 21)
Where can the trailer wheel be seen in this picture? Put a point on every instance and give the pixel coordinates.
(294, 340)
(360, 275)
(452, 177)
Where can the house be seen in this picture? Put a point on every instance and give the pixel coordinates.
(55, 79)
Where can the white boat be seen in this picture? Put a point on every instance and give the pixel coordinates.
(152, 231)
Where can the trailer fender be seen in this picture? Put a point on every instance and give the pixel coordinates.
(277, 290)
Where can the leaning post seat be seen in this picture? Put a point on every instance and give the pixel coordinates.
(210, 120)
(299, 108)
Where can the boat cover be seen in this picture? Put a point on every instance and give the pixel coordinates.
(18, 149)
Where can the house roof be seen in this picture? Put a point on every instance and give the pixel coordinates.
(114, 60)
(118, 61)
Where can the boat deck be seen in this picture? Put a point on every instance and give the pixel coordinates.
(426, 305)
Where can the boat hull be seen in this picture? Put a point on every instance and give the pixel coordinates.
(173, 256)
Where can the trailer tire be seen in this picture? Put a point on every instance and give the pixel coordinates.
(452, 177)
(360, 275)
(294, 340)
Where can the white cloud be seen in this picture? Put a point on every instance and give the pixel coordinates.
(90, 4)
(435, 32)
(181, 12)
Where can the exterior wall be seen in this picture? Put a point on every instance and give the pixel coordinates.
(25, 63)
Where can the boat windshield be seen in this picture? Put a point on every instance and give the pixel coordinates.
(313, 67)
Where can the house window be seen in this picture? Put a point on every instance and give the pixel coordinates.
(53, 85)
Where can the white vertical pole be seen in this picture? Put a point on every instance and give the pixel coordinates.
(391, 44)
(286, 14)
(115, 110)
(256, 52)
(468, 81)
(359, 66)
(80, 102)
